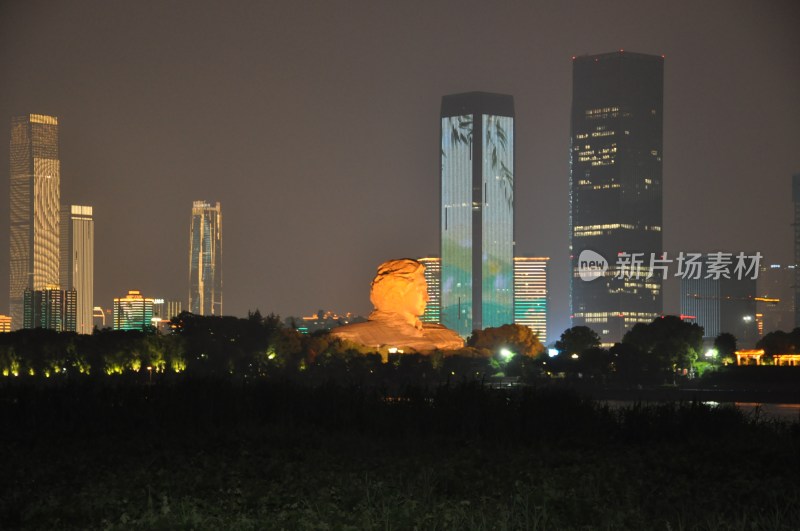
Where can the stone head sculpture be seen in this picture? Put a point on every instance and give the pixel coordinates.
(399, 293)
(400, 287)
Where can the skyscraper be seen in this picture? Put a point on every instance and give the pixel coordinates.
(205, 259)
(722, 306)
(77, 261)
(775, 301)
(477, 211)
(433, 270)
(615, 187)
(796, 199)
(531, 294)
(34, 193)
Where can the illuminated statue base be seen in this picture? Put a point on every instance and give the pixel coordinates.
(393, 330)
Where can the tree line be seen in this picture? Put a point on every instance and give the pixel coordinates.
(263, 347)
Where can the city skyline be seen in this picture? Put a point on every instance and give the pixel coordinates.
(302, 147)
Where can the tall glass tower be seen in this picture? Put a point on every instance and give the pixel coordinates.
(615, 187)
(77, 261)
(34, 210)
(205, 259)
(796, 199)
(477, 211)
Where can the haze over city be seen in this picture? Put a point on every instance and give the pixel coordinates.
(316, 126)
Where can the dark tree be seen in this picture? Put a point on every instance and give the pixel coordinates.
(779, 342)
(671, 342)
(725, 344)
(577, 340)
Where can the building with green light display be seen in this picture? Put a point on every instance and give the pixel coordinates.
(133, 312)
(477, 211)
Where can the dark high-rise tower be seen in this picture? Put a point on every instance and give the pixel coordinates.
(615, 186)
(477, 211)
(796, 199)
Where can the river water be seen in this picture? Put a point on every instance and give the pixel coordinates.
(783, 412)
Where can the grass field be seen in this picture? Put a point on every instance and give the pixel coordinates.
(214, 455)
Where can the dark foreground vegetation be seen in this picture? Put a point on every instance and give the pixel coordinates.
(213, 454)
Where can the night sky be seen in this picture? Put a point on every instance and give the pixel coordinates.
(316, 125)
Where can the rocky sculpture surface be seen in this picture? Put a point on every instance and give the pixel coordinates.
(400, 294)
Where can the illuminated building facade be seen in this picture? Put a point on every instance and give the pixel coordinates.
(477, 211)
(775, 306)
(51, 308)
(205, 259)
(615, 186)
(77, 261)
(166, 309)
(531, 294)
(5, 323)
(796, 199)
(133, 312)
(433, 272)
(322, 320)
(99, 317)
(34, 210)
(722, 306)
